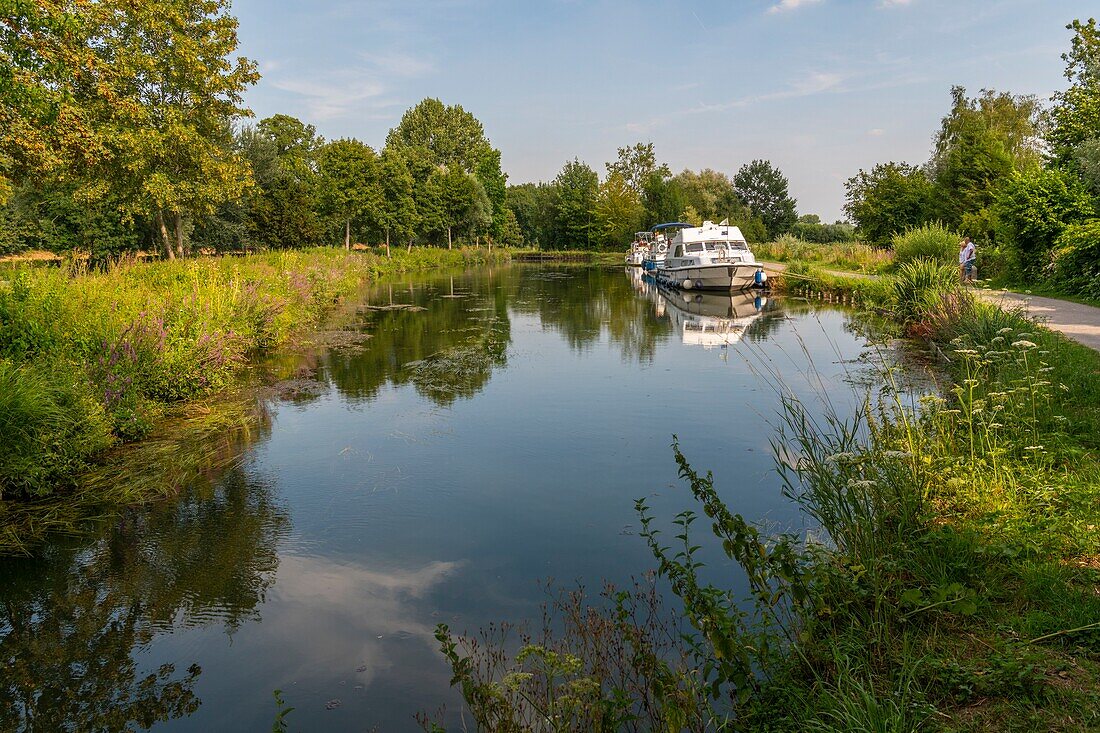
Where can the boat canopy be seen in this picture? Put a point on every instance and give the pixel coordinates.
(670, 225)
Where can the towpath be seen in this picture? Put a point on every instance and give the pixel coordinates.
(1077, 321)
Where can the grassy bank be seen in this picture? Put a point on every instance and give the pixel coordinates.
(90, 359)
(852, 256)
(949, 582)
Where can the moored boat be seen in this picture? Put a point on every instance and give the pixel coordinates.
(658, 246)
(639, 248)
(710, 257)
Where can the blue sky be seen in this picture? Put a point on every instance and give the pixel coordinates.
(819, 87)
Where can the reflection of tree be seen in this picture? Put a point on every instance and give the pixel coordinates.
(447, 347)
(71, 619)
(581, 302)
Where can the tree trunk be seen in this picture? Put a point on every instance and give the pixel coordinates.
(489, 242)
(448, 237)
(347, 235)
(181, 244)
(164, 238)
(410, 243)
(387, 241)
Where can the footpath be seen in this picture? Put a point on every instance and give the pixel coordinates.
(1078, 322)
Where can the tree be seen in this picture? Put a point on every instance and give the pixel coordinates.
(691, 216)
(1033, 208)
(763, 188)
(348, 184)
(1075, 116)
(980, 142)
(398, 214)
(891, 198)
(636, 164)
(456, 203)
(618, 211)
(535, 209)
(130, 99)
(574, 221)
(711, 194)
(495, 183)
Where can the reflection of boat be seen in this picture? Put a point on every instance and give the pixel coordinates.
(710, 257)
(639, 248)
(711, 319)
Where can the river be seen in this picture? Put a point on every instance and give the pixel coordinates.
(493, 431)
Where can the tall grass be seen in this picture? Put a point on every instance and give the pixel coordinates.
(92, 357)
(852, 256)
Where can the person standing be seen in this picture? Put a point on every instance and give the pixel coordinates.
(967, 257)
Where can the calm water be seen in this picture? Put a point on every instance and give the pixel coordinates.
(495, 435)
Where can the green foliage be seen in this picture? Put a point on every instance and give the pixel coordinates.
(818, 233)
(1075, 116)
(713, 196)
(931, 242)
(576, 186)
(618, 211)
(920, 286)
(763, 188)
(1032, 210)
(892, 198)
(637, 165)
(1076, 260)
(349, 188)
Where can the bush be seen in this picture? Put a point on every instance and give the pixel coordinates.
(920, 288)
(823, 233)
(931, 242)
(1077, 260)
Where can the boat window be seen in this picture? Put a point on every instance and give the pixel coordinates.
(695, 248)
(679, 251)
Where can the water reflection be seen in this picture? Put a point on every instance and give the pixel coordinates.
(556, 417)
(72, 619)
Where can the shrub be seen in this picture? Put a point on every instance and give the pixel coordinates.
(920, 287)
(1077, 260)
(931, 241)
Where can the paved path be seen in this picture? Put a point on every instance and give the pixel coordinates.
(1078, 322)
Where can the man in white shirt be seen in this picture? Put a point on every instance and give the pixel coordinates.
(967, 256)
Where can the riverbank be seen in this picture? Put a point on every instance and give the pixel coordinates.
(949, 582)
(91, 359)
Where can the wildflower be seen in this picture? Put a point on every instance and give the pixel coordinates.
(840, 458)
(995, 425)
(896, 454)
(861, 484)
(1033, 447)
(1022, 344)
(965, 351)
(998, 339)
(1006, 329)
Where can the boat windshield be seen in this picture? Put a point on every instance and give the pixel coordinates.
(714, 246)
(695, 247)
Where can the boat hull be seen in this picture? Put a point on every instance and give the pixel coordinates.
(724, 277)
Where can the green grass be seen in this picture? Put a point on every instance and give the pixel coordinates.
(850, 256)
(94, 358)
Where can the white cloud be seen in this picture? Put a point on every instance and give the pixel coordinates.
(877, 132)
(893, 3)
(785, 5)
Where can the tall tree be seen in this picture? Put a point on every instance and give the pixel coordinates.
(349, 186)
(891, 198)
(636, 164)
(495, 183)
(763, 188)
(1075, 115)
(399, 215)
(618, 211)
(711, 194)
(575, 217)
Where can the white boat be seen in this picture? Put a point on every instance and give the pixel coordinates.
(710, 257)
(639, 248)
(711, 320)
(658, 245)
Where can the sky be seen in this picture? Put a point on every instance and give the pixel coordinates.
(822, 88)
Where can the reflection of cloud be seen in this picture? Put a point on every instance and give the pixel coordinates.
(331, 618)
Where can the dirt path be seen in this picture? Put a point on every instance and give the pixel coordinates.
(1078, 322)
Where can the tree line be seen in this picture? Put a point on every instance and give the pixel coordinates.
(124, 128)
(1020, 178)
